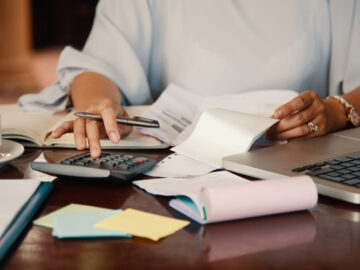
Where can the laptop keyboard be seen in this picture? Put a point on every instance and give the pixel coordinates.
(344, 170)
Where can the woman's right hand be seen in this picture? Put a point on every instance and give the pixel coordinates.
(94, 130)
(94, 93)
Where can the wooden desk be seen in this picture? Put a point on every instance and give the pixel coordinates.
(327, 237)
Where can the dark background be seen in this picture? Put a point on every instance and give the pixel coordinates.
(61, 22)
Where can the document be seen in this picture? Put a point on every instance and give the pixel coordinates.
(178, 110)
(222, 196)
(142, 224)
(176, 165)
(220, 133)
(204, 129)
(35, 129)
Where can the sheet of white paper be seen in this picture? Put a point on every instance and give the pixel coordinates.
(13, 196)
(187, 186)
(175, 110)
(260, 102)
(220, 133)
(178, 110)
(176, 165)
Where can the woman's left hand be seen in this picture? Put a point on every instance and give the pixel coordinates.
(305, 116)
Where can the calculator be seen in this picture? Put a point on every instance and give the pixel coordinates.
(108, 165)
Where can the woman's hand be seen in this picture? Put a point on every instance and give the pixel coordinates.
(307, 116)
(94, 130)
(94, 93)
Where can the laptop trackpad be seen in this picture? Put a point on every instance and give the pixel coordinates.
(353, 133)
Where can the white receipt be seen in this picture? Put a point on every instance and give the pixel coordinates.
(175, 110)
(176, 165)
(187, 186)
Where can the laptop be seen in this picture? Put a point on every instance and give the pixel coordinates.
(333, 161)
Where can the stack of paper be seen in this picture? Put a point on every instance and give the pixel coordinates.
(80, 221)
(205, 129)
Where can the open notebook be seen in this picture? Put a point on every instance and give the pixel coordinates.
(35, 129)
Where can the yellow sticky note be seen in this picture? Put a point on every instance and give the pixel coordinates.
(142, 224)
(48, 220)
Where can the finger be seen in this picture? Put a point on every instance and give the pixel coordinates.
(80, 133)
(301, 132)
(302, 101)
(109, 118)
(65, 127)
(296, 132)
(319, 122)
(92, 133)
(294, 120)
(124, 130)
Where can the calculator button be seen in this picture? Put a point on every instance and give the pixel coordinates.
(138, 160)
(66, 162)
(110, 165)
(97, 162)
(124, 166)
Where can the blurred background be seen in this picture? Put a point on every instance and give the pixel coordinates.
(33, 33)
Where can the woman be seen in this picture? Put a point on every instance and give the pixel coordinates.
(136, 48)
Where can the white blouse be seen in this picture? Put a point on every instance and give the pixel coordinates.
(213, 47)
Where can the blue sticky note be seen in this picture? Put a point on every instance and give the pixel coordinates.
(81, 225)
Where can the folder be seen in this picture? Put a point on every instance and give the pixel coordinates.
(24, 216)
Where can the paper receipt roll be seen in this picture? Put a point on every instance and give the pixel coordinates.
(258, 198)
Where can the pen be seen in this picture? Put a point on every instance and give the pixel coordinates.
(135, 121)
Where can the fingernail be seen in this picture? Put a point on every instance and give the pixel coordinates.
(114, 137)
(54, 133)
(94, 151)
(279, 113)
(79, 142)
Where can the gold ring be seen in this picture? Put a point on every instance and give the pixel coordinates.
(312, 127)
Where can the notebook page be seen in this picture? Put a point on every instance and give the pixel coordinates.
(17, 124)
(220, 133)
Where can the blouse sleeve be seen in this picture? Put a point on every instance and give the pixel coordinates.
(345, 53)
(352, 72)
(118, 47)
